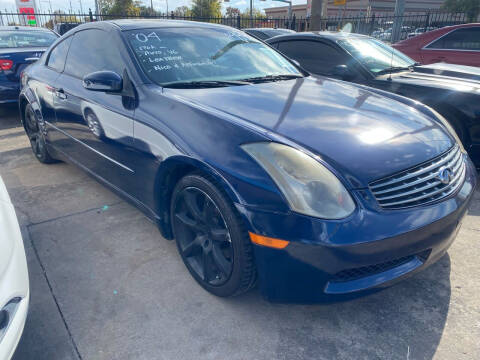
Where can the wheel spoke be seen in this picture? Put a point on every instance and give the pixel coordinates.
(192, 248)
(208, 210)
(185, 220)
(207, 266)
(220, 261)
(219, 235)
(191, 202)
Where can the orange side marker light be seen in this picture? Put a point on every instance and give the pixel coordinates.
(267, 241)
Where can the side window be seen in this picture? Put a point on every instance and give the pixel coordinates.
(93, 50)
(461, 39)
(56, 59)
(314, 56)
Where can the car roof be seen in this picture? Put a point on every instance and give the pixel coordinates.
(268, 28)
(135, 24)
(331, 35)
(23, 28)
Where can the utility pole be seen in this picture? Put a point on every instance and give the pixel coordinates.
(318, 12)
(398, 20)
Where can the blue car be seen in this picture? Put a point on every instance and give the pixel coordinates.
(19, 47)
(317, 188)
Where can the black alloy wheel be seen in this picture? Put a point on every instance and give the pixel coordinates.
(210, 238)
(36, 137)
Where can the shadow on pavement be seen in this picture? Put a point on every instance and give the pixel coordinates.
(9, 117)
(402, 322)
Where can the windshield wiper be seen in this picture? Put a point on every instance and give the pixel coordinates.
(269, 78)
(203, 84)
(394, 69)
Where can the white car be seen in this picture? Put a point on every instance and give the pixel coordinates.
(14, 285)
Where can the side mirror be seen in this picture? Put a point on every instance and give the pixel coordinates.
(107, 81)
(343, 72)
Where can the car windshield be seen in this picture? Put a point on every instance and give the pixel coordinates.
(377, 56)
(196, 54)
(25, 39)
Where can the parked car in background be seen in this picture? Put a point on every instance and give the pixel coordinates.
(419, 31)
(14, 284)
(19, 47)
(454, 92)
(233, 151)
(459, 44)
(267, 33)
(62, 28)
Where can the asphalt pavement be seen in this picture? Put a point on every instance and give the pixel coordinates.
(105, 285)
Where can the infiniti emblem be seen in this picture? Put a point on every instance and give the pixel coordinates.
(445, 175)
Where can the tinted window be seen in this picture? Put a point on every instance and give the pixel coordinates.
(275, 32)
(257, 34)
(24, 39)
(461, 39)
(314, 56)
(93, 50)
(177, 55)
(57, 57)
(375, 55)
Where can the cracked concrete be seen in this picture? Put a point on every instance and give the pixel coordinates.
(105, 285)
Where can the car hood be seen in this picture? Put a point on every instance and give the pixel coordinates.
(452, 79)
(361, 134)
(451, 70)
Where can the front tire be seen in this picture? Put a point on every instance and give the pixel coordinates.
(211, 238)
(36, 137)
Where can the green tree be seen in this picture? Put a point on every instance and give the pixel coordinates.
(125, 8)
(206, 8)
(469, 7)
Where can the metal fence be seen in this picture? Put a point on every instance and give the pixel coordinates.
(379, 26)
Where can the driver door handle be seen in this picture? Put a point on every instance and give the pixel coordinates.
(60, 93)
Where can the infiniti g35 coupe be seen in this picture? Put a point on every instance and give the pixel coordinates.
(315, 187)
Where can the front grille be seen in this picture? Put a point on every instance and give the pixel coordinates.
(421, 184)
(358, 273)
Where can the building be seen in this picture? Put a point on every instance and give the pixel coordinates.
(358, 7)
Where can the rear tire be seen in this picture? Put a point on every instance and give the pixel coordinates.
(36, 136)
(211, 238)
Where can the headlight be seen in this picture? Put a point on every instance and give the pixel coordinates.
(308, 186)
(449, 127)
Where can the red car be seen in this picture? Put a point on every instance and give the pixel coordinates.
(459, 44)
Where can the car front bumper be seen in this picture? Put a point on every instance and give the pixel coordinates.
(14, 283)
(339, 259)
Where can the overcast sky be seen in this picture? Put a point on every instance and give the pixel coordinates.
(157, 4)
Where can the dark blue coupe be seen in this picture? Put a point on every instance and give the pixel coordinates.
(19, 47)
(316, 187)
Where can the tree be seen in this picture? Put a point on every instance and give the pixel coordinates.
(470, 7)
(206, 8)
(104, 6)
(232, 12)
(183, 11)
(125, 8)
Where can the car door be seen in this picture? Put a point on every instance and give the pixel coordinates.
(42, 79)
(94, 128)
(460, 46)
(314, 56)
